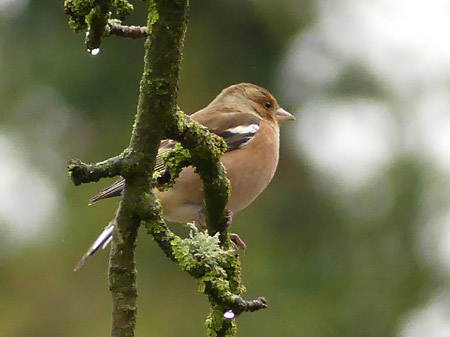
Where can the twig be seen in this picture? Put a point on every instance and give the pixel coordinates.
(132, 32)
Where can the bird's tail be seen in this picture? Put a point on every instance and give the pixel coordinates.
(102, 241)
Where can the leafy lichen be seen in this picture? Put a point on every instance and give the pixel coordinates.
(78, 10)
(123, 8)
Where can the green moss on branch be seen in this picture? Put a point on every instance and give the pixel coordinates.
(206, 150)
(93, 17)
(156, 104)
(216, 270)
(80, 172)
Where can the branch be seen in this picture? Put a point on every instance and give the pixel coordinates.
(81, 173)
(206, 149)
(156, 104)
(94, 16)
(97, 20)
(132, 32)
(210, 259)
(216, 270)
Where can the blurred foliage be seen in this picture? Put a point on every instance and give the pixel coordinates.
(324, 271)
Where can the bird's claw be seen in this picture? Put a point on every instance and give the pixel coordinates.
(238, 242)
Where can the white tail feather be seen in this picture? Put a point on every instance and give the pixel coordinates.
(102, 241)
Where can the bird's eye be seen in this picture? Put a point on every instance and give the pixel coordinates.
(268, 105)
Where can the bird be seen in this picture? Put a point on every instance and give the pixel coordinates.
(247, 117)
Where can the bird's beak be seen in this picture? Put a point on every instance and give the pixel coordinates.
(282, 115)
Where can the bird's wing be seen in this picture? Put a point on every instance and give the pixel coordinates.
(236, 128)
(113, 190)
(116, 188)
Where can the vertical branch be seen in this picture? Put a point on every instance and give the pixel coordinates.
(122, 274)
(156, 106)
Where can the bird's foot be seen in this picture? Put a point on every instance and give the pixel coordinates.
(229, 217)
(201, 219)
(201, 224)
(238, 242)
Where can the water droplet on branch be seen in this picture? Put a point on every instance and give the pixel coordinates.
(229, 314)
(94, 52)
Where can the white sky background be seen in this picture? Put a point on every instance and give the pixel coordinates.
(12, 7)
(349, 141)
(32, 170)
(28, 201)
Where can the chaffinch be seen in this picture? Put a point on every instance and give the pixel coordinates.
(247, 117)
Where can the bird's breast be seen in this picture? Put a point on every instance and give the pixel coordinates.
(250, 169)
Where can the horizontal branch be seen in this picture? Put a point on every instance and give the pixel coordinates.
(132, 32)
(239, 305)
(81, 173)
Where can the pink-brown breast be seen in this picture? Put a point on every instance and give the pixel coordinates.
(250, 169)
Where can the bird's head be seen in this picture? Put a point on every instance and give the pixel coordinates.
(248, 97)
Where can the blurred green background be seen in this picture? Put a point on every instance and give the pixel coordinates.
(350, 239)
